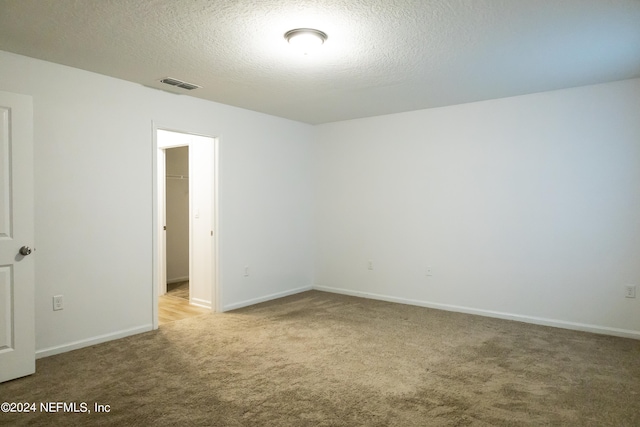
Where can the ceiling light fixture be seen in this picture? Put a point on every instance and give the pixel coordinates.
(305, 39)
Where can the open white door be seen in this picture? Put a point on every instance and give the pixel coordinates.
(17, 317)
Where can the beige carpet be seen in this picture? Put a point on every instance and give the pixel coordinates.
(318, 359)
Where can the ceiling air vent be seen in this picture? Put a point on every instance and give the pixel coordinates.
(179, 83)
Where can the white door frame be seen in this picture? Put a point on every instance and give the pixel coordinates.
(158, 207)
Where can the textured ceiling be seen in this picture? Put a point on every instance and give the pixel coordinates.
(382, 56)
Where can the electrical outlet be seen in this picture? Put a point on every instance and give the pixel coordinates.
(246, 271)
(630, 291)
(58, 303)
(370, 264)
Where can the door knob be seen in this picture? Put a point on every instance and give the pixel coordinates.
(25, 250)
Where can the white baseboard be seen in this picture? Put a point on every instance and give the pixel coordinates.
(200, 303)
(253, 301)
(177, 280)
(91, 341)
(604, 330)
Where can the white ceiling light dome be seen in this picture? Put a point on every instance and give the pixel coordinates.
(305, 39)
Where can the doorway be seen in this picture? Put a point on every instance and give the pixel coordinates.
(177, 221)
(185, 215)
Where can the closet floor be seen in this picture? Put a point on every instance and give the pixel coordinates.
(174, 305)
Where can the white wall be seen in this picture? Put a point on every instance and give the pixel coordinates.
(93, 179)
(177, 213)
(526, 207)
